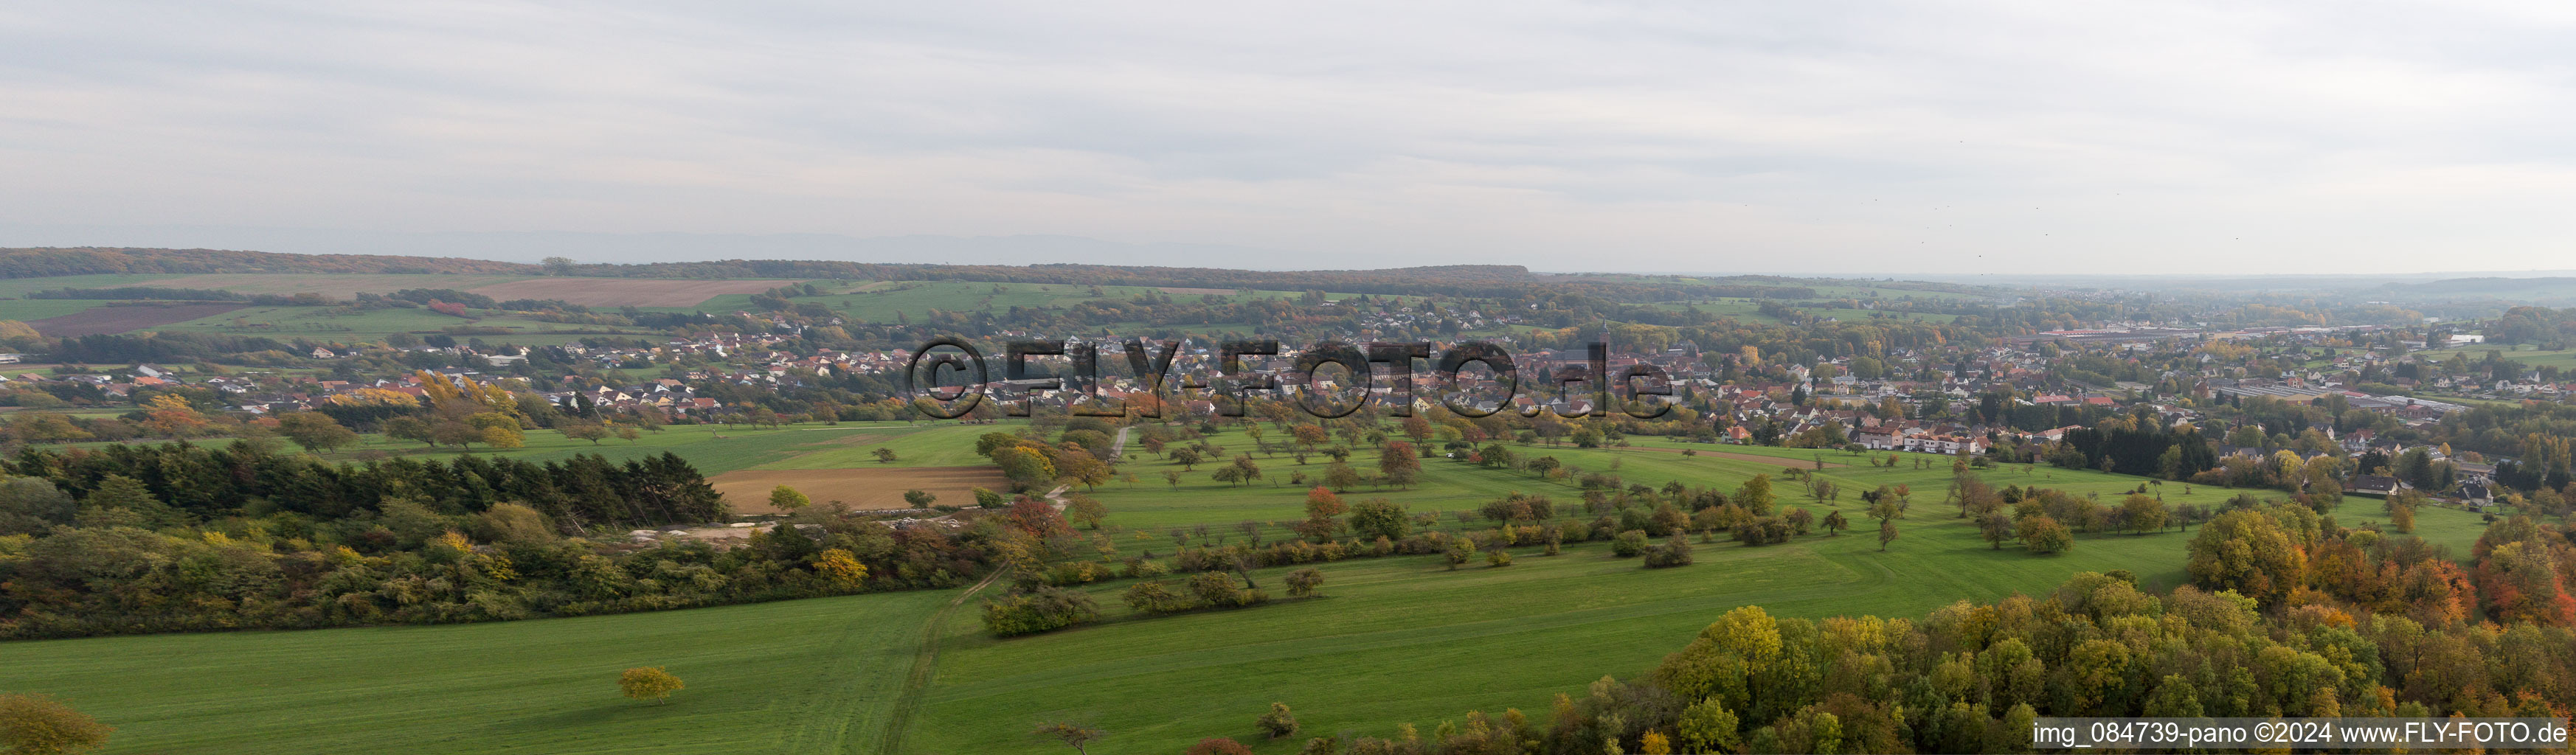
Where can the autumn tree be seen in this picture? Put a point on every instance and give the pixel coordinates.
(648, 683)
(315, 431)
(1308, 436)
(39, 725)
(1379, 517)
(1086, 511)
(1278, 722)
(171, 415)
(1995, 528)
(2252, 552)
(841, 568)
(1305, 582)
(785, 498)
(1399, 463)
(589, 431)
(2143, 514)
(2043, 535)
(1755, 495)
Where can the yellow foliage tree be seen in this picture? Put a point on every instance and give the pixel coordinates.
(648, 683)
(171, 415)
(1655, 743)
(38, 724)
(374, 397)
(841, 568)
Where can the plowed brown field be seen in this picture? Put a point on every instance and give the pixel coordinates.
(112, 320)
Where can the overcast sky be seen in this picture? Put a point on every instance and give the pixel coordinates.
(2040, 136)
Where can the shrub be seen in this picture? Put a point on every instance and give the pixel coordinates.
(1218, 746)
(1077, 573)
(1498, 558)
(1153, 596)
(1279, 722)
(648, 683)
(1674, 552)
(38, 724)
(1217, 589)
(1629, 543)
(1303, 582)
(1046, 609)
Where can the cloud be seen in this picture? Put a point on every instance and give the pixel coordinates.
(2022, 136)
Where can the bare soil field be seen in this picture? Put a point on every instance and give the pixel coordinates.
(339, 285)
(881, 488)
(625, 292)
(111, 320)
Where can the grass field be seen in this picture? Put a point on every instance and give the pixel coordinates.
(323, 323)
(944, 445)
(2526, 355)
(24, 310)
(336, 285)
(738, 447)
(799, 676)
(19, 287)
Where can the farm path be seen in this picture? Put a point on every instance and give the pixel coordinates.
(925, 664)
(1118, 448)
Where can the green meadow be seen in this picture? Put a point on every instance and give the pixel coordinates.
(795, 676)
(883, 301)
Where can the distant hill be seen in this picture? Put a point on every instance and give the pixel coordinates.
(47, 262)
(2482, 285)
(1464, 280)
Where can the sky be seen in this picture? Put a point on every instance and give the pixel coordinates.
(1815, 137)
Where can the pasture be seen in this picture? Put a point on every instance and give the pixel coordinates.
(335, 285)
(870, 488)
(2517, 352)
(625, 292)
(807, 676)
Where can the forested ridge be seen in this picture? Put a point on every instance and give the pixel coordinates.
(46, 262)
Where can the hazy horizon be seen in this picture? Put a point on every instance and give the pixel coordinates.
(1924, 139)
